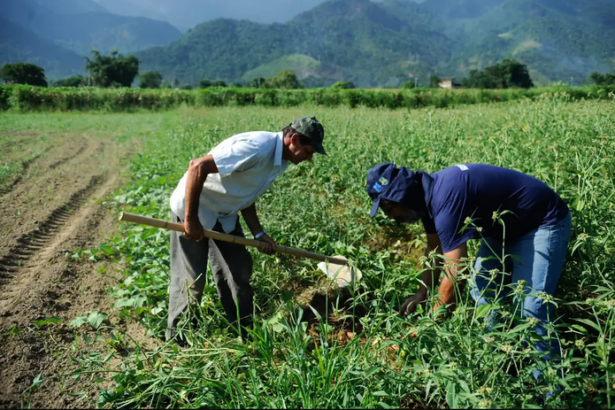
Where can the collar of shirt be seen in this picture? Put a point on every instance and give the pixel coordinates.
(279, 150)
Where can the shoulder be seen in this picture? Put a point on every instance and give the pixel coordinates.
(261, 141)
(449, 184)
(254, 137)
(262, 137)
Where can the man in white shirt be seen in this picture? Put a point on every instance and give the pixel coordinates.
(210, 195)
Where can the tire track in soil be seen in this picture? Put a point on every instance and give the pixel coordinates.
(49, 284)
(32, 291)
(24, 168)
(65, 160)
(26, 164)
(38, 281)
(51, 170)
(30, 243)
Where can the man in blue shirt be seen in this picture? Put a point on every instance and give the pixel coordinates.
(511, 212)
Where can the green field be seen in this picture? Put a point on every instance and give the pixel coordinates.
(359, 352)
(25, 98)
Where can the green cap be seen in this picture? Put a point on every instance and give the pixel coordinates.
(312, 129)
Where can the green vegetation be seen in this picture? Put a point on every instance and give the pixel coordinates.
(506, 74)
(372, 44)
(557, 40)
(26, 98)
(23, 73)
(21, 45)
(256, 83)
(284, 80)
(379, 44)
(351, 40)
(208, 83)
(356, 351)
(434, 81)
(454, 9)
(602, 79)
(150, 79)
(408, 85)
(72, 81)
(343, 85)
(113, 70)
(303, 66)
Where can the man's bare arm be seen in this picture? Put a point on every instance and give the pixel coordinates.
(197, 174)
(251, 217)
(430, 275)
(452, 265)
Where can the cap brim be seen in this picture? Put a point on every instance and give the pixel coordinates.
(320, 149)
(375, 207)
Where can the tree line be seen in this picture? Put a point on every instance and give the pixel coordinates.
(116, 70)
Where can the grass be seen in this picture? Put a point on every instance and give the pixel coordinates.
(353, 349)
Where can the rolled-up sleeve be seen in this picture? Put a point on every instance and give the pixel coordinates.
(236, 156)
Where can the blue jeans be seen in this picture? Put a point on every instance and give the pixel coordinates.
(538, 260)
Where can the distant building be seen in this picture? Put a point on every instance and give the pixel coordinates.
(448, 82)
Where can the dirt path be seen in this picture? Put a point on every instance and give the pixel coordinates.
(48, 211)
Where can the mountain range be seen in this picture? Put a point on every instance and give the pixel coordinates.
(57, 33)
(372, 43)
(186, 14)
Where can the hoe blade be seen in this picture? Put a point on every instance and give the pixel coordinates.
(342, 274)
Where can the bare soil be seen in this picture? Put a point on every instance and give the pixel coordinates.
(48, 210)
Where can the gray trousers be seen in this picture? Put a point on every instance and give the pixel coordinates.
(231, 265)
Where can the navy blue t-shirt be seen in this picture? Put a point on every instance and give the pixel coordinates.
(479, 190)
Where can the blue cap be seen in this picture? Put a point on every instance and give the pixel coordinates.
(379, 180)
(400, 185)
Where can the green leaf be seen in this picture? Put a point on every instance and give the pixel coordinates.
(108, 250)
(483, 311)
(580, 329)
(14, 331)
(287, 295)
(136, 301)
(48, 321)
(95, 319)
(379, 393)
(79, 321)
(156, 311)
(278, 328)
(589, 323)
(451, 396)
(37, 380)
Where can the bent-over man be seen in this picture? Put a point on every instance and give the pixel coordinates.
(506, 208)
(211, 194)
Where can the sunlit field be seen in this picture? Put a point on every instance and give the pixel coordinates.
(315, 347)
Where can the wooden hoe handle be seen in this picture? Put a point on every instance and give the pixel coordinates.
(159, 223)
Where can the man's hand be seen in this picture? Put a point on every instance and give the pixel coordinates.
(194, 230)
(410, 305)
(267, 245)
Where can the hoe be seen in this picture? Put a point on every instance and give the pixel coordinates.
(338, 268)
